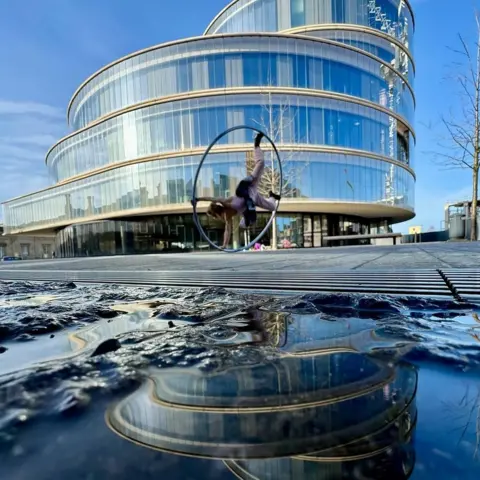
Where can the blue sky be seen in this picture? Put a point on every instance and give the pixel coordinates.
(48, 47)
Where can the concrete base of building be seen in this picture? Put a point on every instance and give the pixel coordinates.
(26, 246)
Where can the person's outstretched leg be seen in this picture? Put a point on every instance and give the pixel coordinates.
(257, 173)
(265, 203)
(259, 159)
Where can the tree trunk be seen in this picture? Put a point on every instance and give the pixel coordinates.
(474, 227)
(236, 232)
(274, 234)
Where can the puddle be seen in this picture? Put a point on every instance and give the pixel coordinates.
(209, 384)
(139, 319)
(471, 320)
(26, 301)
(321, 398)
(134, 317)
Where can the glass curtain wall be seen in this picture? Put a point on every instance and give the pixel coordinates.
(240, 61)
(192, 124)
(177, 233)
(395, 16)
(337, 97)
(161, 183)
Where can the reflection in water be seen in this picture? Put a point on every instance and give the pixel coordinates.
(327, 405)
(134, 317)
(137, 317)
(26, 301)
(310, 387)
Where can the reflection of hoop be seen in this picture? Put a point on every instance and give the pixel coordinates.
(194, 199)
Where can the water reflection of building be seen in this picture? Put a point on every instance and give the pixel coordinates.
(320, 410)
(336, 77)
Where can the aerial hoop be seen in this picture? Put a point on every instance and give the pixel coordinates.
(197, 174)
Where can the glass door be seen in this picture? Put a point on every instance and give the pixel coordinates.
(307, 231)
(317, 231)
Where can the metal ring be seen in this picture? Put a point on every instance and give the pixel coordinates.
(194, 199)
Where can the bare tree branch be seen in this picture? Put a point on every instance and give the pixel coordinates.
(459, 142)
(461, 139)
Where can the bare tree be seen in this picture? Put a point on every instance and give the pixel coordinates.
(460, 142)
(276, 327)
(278, 122)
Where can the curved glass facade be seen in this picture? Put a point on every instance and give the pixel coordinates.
(393, 16)
(167, 184)
(332, 90)
(374, 42)
(239, 61)
(167, 233)
(189, 124)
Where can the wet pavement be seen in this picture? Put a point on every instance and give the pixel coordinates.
(205, 383)
(400, 257)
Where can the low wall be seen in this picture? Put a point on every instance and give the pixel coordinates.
(386, 241)
(438, 236)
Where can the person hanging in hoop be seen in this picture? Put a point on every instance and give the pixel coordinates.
(246, 198)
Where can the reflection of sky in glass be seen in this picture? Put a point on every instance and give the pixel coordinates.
(313, 66)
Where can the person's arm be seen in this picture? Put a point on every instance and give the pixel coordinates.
(222, 201)
(227, 233)
(207, 199)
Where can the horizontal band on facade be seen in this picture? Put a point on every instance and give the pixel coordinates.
(350, 27)
(377, 382)
(233, 35)
(233, 2)
(294, 147)
(359, 209)
(237, 91)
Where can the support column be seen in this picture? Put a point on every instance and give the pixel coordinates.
(122, 239)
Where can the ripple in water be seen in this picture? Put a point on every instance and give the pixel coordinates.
(119, 381)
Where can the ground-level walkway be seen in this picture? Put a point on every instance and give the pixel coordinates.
(391, 258)
(440, 270)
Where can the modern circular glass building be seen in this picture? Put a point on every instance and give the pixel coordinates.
(336, 80)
